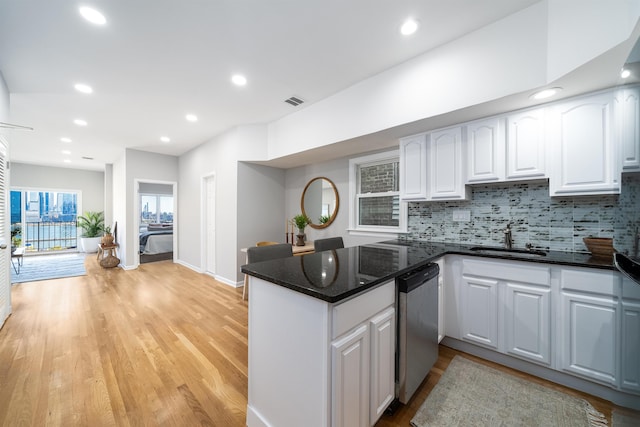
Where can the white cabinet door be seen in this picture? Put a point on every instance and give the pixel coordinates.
(445, 179)
(383, 338)
(630, 346)
(629, 102)
(528, 322)
(350, 374)
(480, 310)
(485, 151)
(589, 336)
(581, 133)
(526, 145)
(413, 168)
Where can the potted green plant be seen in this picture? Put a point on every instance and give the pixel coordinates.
(92, 225)
(301, 221)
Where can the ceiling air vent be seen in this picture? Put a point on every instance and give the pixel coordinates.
(87, 158)
(294, 101)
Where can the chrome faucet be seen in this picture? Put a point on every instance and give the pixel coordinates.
(508, 238)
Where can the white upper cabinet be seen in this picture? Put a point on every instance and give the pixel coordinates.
(445, 164)
(526, 145)
(581, 135)
(413, 168)
(629, 124)
(485, 151)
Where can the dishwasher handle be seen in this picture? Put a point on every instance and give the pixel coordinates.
(415, 278)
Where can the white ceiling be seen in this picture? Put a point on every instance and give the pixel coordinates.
(157, 60)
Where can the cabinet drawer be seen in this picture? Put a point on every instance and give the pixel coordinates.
(505, 270)
(350, 313)
(630, 289)
(590, 280)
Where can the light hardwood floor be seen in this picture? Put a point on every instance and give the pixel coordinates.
(161, 345)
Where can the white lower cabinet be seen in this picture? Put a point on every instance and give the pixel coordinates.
(506, 307)
(589, 328)
(630, 340)
(527, 322)
(363, 358)
(480, 310)
(589, 323)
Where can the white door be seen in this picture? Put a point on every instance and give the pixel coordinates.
(210, 224)
(5, 252)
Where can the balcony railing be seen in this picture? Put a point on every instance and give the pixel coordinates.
(49, 236)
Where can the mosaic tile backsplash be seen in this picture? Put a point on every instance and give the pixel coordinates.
(557, 224)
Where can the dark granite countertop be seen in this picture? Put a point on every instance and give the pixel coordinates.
(336, 275)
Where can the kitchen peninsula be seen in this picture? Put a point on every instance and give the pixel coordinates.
(322, 328)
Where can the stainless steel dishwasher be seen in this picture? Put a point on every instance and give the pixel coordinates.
(417, 337)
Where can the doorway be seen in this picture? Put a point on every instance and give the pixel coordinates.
(156, 216)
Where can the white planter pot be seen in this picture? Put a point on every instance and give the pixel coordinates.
(90, 244)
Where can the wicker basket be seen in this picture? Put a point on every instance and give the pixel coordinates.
(600, 247)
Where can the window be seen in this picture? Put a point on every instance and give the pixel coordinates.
(156, 209)
(374, 192)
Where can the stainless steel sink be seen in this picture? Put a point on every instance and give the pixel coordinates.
(505, 251)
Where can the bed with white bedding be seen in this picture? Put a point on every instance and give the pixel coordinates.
(156, 242)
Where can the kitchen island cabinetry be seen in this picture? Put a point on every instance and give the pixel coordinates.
(314, 363)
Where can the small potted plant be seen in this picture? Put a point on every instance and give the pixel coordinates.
(301, 221)
(107, 239)
(92, 225)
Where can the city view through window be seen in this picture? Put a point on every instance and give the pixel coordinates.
(43, 221)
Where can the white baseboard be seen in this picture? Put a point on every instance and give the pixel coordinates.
(220, 279)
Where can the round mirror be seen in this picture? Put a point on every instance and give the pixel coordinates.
(320, 202)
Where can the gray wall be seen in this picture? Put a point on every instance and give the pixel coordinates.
(220, 156)
(141, 166)
(91, 184)
(260, 204)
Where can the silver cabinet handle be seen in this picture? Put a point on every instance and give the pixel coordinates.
(3, 246)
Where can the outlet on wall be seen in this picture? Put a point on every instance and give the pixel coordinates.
(462, 216)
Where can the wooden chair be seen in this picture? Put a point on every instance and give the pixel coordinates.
(266, 252)
(328, 244)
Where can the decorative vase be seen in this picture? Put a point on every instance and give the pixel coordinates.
(107, 239)
(301, 236)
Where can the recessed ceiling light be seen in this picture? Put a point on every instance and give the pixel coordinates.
(81, 87)
(239, 80)
(191, 117)
(625, 73)
(409, 27)
(80, 122)
(546, 93)
(66, 152)
(65, 139)
(92, 15)
(67, 161)
(165, 139)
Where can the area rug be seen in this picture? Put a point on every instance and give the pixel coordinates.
(625, 418)
(471, 394)
(45, 267)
